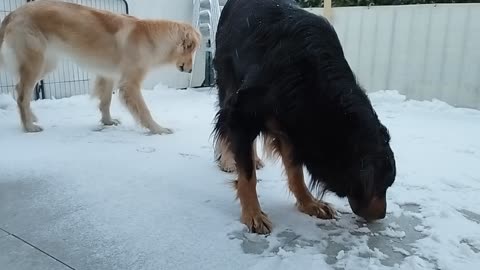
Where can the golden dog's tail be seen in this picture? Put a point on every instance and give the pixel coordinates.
(4, 24)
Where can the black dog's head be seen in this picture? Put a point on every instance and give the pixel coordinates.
(372, 171)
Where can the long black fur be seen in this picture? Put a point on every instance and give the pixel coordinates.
(276, 61)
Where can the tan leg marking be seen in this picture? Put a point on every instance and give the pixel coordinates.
(252, 215)
(306, 203)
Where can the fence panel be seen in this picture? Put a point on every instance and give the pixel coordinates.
(68, 79)
(423, 51)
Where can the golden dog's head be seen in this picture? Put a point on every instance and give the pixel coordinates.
(188, 43)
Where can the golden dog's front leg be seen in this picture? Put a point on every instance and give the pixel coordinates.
(131, 94)
(103, 91)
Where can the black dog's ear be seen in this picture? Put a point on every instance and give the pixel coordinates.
(367, 172)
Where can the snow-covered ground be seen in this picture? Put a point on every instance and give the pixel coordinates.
(119, 198)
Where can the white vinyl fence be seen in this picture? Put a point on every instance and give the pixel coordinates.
(423, 51)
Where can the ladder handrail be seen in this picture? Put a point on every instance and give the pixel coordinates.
(213, 12)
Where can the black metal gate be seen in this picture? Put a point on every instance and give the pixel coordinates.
(68, 79)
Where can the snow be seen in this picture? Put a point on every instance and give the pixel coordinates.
(119, 198)
(392, 233)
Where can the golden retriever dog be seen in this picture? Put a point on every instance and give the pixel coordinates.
(119, 49)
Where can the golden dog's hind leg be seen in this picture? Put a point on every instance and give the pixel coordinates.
(226, 160)
(133, 99)
(224, 156)
(306, 203)
(258, 161)
(28, 76)
(103, 90)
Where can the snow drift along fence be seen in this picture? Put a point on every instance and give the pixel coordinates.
(68, 79)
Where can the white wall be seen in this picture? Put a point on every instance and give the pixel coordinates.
(424, 51)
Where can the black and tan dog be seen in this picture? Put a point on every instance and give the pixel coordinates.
(282, 74)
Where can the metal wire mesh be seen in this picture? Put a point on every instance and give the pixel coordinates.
(68, 79)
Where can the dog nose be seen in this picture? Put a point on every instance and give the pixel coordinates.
(376, 209)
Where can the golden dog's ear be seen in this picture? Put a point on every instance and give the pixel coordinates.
(190, 39)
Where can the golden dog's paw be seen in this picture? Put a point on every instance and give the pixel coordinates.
(257, 222)
(227, 165)
(111, 122)
(32, 128)
(161, 130)
(318, 209)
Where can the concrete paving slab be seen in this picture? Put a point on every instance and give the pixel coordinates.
(17, 255)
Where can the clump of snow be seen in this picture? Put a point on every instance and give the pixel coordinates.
(115, 197)
(401, 251)
(363, 230)
(340, 255)
(419, 228)
(394, 225)
(392, 233)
